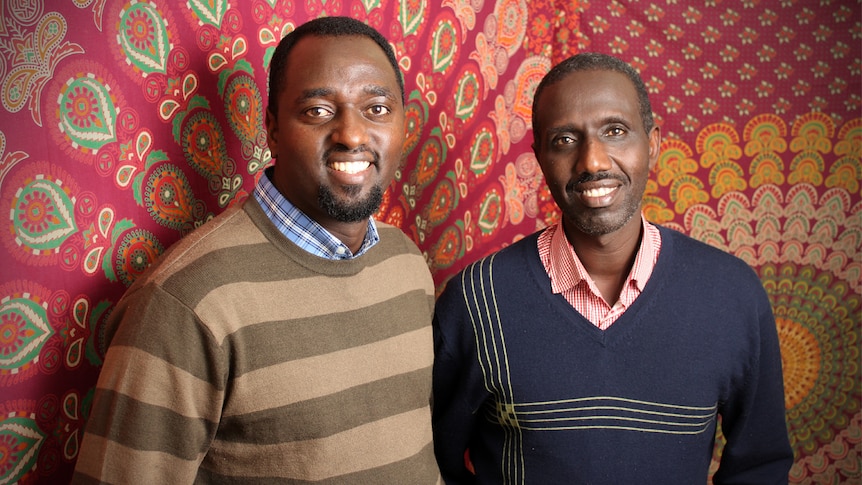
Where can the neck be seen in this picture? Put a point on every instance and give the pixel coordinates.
(608, 258)
(351, 234)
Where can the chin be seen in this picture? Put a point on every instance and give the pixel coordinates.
(350, 210)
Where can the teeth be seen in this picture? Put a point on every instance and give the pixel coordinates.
(601, 192)
(350, 167)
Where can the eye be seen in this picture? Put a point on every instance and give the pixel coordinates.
(318, 112)
(616, 131)
(379, 110)
(562, 140)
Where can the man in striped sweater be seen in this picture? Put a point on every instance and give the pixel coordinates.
(289, 339)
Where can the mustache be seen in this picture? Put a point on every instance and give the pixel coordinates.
(587, 177)
(352, 151)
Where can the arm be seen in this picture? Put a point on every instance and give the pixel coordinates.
(158, 398)
(456, 387)
(753, 421)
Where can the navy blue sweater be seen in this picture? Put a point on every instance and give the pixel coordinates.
(540, 395)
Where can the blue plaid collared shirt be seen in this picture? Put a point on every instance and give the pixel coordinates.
(301, 229)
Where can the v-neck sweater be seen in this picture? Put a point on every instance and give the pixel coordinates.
(538, 394)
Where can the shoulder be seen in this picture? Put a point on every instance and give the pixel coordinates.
(393, 239)
(525, 246)
(397, 254)
(513, 256)
(231, 230)
(511, 263)
(685, 246)
(706, 264)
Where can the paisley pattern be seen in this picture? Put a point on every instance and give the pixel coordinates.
(39, 199)
(21, 441)
(87, 114)
(128, 124)
(144, 37)
(30, 57)
(25, 327)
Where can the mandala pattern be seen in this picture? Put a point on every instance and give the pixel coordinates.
(820, 349)
(759, 106)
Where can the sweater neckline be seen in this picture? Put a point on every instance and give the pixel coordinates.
(317, 264)
(628, 320)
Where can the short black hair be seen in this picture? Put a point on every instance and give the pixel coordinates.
(323, 27)
(593, 61)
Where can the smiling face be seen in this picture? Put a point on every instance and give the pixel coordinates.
(339, 129)
(596, 157)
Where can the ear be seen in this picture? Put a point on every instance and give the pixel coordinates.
(654, 146)
(271, 132)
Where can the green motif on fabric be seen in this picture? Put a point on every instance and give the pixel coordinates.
(482, 152)
(143, 37)
(42, 216)
(410, 14)
(490, 212)
(87, 113)
(23, 440)
(25, 329)
(444, 46)
(416, 115)
(209, 12)
(467, 96)
(370, 5)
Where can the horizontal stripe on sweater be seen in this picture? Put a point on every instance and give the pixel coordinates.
(136, 464)
(383, 442)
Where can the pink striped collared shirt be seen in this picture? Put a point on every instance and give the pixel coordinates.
(569, 277)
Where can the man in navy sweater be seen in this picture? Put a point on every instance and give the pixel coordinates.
(605, 349)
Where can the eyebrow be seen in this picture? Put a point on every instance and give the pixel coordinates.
(372, 90)
(314, 93)
(560, 129)
(609, 120)
(381, 91)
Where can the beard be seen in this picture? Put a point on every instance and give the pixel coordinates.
(350, 210)
(599, 222)
(600, 225)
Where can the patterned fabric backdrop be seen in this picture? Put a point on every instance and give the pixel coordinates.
(126, 124)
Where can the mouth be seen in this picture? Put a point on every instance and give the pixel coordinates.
(350, 167)
(350, 162)
(598, 192)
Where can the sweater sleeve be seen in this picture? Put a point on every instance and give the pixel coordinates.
(753, 420)
(158, 398)
(457, 385)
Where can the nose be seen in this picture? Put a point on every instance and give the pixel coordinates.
(351, 129)
(592, 156)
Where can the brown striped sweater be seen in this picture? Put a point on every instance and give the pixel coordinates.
(241, 358)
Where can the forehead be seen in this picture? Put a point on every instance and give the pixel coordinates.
(583, 94)
(338, 60)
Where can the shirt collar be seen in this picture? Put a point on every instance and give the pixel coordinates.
(302, 230)
(567, 271)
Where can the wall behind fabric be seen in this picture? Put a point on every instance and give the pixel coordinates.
(127, 124)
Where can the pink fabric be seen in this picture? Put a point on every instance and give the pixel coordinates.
(571, 279)
(127, 124)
